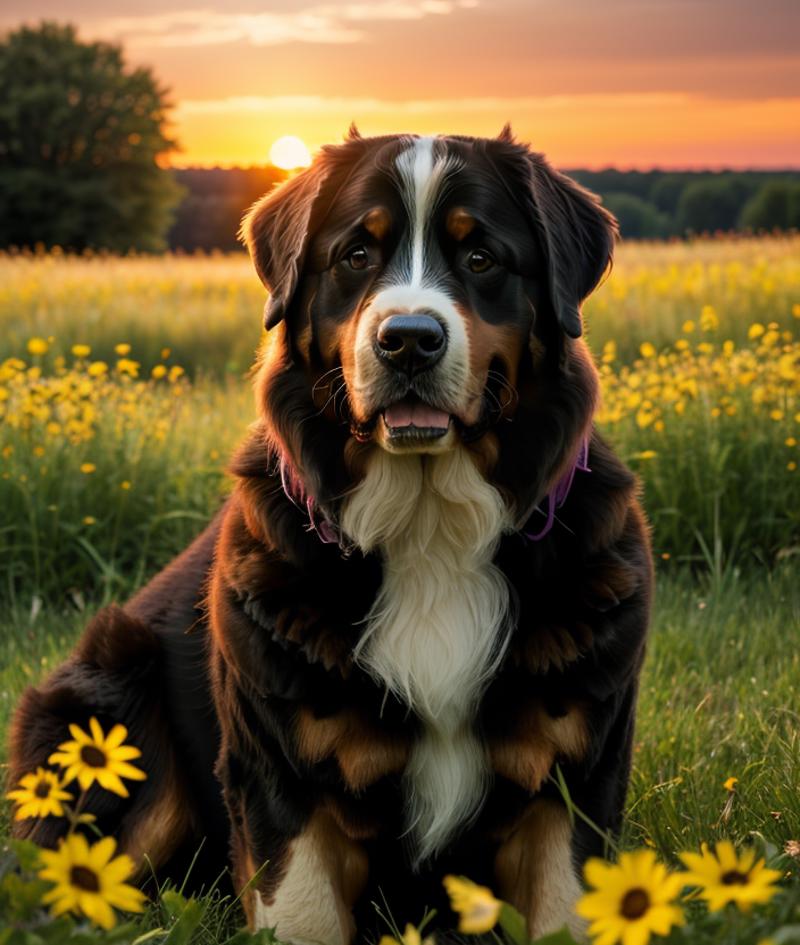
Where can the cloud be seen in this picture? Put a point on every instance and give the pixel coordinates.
(326, 23)
(318, 104)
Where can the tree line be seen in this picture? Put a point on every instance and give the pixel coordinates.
(85, 143)
(658, 204)
(648, 204)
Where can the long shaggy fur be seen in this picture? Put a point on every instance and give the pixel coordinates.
(439, 626)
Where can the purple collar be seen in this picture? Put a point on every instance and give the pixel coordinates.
(558, 496)
(329, 534)
(295, 491)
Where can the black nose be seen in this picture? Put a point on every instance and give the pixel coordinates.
(410, 343)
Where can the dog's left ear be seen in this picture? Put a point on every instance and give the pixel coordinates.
(578, 236)
(276, 231)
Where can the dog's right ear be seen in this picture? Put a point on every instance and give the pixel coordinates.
(276, 231)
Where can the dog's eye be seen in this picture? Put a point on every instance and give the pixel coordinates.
(358, 258)
(479, 261)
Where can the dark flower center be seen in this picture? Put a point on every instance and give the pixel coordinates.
(84, 878)
(93, 756)
(42, 789)
(634, 904)
(734, 878)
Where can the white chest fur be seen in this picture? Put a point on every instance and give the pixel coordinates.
(439, 625)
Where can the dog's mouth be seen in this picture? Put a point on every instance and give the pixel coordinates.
(412, 423)
(411, 420)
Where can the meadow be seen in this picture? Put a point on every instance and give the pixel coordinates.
(123, 389)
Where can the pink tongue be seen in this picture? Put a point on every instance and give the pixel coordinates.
(415, 415)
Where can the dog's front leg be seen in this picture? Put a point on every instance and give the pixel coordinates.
(535, 872)
(300, 872)
(323, 873)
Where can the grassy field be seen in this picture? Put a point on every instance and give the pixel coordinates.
(122, 391)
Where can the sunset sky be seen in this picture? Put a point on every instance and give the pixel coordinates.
(630, 83)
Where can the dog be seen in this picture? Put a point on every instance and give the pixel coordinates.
(409, 643)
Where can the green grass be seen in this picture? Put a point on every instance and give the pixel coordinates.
(719, 699)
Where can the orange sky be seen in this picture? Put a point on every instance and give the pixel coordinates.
(630, 83)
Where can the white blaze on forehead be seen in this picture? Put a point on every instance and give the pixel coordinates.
(422, 176)
(410, 287)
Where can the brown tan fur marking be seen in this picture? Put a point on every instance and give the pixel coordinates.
(157, 832)
(377, 222)
(364, 753)
(460, 223)
(527, 755)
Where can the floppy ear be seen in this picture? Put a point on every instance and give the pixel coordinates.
(275, 230)
(577, 234)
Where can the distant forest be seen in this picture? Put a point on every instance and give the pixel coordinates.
(648, 204)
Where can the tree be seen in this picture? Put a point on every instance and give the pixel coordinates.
(80, 135)
(666, 192)
(776, 206)
(637, 218)
(713, 203)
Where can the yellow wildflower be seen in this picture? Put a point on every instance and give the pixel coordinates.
(98, 757)
(81, 351)
(90, 881)
(38, 346)
(88, 468)
(756, 330)
(411, 936)
(725, 877)
(730, 783)
(39, 795)
(477, 908)
(89, 520)
(647, 349)
(688, 327)
(159, 371)
(122, 349)
(126, 366)
(708, 318)
(97, 368)
(631, 900)
(125, 485)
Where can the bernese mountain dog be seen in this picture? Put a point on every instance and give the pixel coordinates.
(408, 644)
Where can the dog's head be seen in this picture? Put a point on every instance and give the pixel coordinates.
(421, 291)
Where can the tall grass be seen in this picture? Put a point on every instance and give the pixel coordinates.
(208, 308)
(105, 476)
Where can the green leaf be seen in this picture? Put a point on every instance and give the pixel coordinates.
(174, 904)
(513, 925)
(561, 937)
(189, 919)
(27, 853)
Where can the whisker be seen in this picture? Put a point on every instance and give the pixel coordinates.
(337, 372)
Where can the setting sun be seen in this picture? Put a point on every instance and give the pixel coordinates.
(289, 152)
